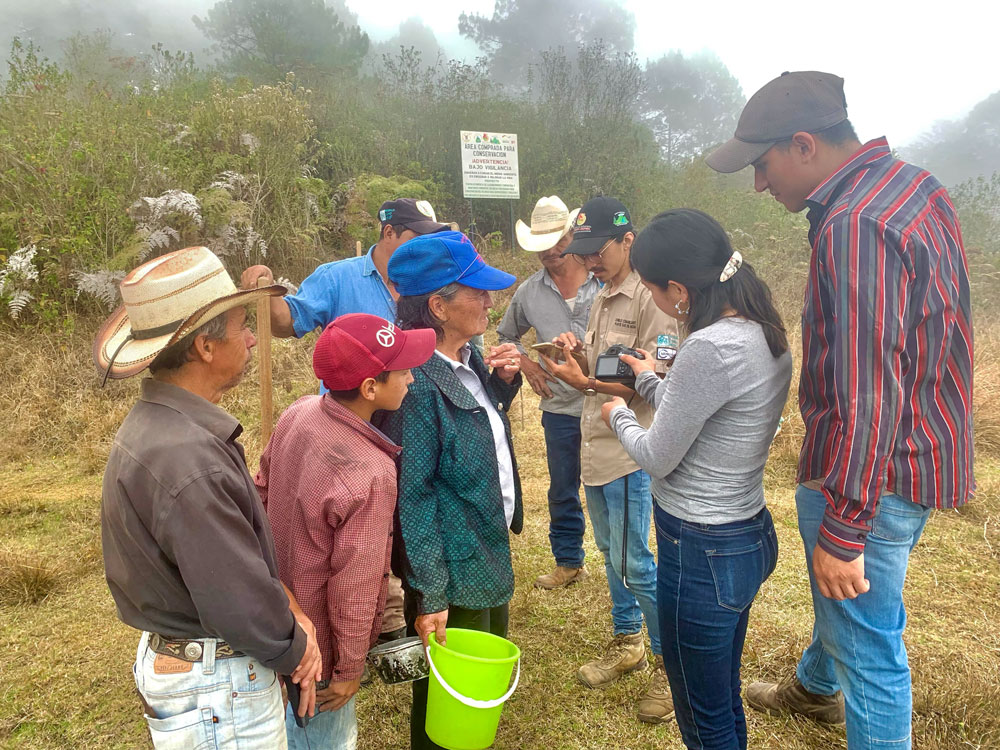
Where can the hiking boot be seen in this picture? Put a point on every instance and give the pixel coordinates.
(656, 706)
(789, 697)
(625, 653)
(561, 577)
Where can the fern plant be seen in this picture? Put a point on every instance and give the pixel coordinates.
(17, 277)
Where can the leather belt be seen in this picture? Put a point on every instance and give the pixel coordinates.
(189, 649)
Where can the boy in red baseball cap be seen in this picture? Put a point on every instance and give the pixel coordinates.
(328, 481)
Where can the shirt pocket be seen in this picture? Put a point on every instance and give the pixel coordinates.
(617, 337)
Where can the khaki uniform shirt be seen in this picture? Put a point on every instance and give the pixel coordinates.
(625, 316)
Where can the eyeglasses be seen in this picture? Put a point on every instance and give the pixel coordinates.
(599, 255)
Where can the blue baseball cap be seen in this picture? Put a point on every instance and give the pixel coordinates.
(427, 263)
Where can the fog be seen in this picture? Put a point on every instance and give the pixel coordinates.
(928, 90)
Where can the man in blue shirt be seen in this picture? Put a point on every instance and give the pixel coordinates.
(353, 285)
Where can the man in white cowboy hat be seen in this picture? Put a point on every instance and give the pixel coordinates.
(555, 299)
(188, 552)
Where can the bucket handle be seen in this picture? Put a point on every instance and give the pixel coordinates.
(472, 702)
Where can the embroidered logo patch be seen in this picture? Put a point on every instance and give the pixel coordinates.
(619, 219)
(386, 336)
(581, 219)
(385, 214)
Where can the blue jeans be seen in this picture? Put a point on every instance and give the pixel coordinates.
(707, 578)
(606, 504)
(327, 730)
(222, 704)
(566, 524)
(857, 644)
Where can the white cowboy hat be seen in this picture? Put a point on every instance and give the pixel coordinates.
(163, 301)
(550, 221)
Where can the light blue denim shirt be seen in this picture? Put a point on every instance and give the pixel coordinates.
(352, 285)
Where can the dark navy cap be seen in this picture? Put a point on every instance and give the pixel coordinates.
(432, 261)
(599, 220)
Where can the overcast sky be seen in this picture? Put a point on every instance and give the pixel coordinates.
(906, 64)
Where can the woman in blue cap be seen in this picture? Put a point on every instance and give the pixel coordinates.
(459, 491)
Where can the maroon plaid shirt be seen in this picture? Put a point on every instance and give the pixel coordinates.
(328, 482)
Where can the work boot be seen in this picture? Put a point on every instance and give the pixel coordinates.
(561, 577)
(625, 653)
(656, 706)
(789, 697)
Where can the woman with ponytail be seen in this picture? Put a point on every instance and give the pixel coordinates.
(716, 413)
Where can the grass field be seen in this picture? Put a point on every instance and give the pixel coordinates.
(65, 659)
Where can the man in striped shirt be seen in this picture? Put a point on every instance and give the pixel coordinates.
(885, 391)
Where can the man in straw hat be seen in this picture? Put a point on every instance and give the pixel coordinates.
(555, 299)
(188, 552)
(885, 393)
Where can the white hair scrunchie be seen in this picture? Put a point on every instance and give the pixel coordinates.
(732, 266)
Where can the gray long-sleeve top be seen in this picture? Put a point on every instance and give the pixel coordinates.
(716, 414)
(188, 551)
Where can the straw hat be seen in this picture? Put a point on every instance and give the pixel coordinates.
(550, 221)
(164, 300)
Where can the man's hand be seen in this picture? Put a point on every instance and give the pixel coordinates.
(248, 280)
(568, 339)
(310, 668)
(537, 376)
(336, 694)
(837, 579)
(569, 369)
(639, 365)
(505, 361)
(609, 405)
(435, 622)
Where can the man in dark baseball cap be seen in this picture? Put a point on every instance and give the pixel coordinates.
(409, 214)
(794, 132)
(806, 100)
(884, 392)
(623, 312)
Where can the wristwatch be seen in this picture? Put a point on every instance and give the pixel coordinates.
(591, 389)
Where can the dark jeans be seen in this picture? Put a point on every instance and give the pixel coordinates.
(707, 578)
(486, 620)
(566, 524)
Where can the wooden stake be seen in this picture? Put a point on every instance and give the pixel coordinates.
(264, 352)
(357, 249)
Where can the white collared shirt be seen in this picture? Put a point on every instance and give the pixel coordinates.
(505, 462)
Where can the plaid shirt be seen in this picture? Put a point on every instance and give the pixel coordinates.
(886, 385)
(328, 482)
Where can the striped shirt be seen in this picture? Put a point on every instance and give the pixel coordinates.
(886, 386)
(328, 482)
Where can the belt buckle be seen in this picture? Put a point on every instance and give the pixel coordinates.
(193, 650)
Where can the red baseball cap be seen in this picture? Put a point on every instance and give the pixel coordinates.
(359, 346)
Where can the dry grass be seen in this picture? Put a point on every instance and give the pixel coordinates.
(66, 661)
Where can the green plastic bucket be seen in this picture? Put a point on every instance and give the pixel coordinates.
(468, 687)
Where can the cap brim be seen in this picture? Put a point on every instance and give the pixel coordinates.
(418, 346)
(734, 155)
(588, 244)
(136, 354)
(488, 278)
(426, 227)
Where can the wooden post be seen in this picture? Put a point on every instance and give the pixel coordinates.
(264, 349)
(357, 249)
